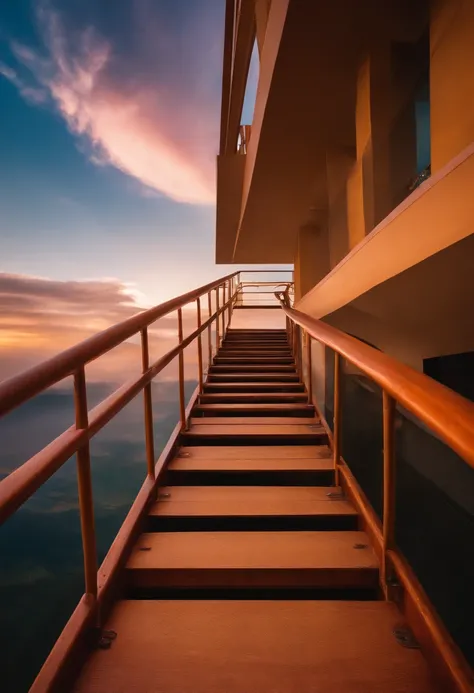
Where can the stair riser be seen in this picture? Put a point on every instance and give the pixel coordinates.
(253, 578)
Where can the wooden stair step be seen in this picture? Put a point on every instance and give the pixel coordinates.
(289, 409)
(201, 646)
(254, 421)
(191, 468)
(220, 508)
(254, 398)
(339, 560)
(256, 452)
(256, 343)
(250, 386)
(254, 360)
(252, 433)
(233, 377)
(257, 349)
(252, 368)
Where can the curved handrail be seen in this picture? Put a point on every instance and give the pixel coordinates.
(18, 389)
(431, 402)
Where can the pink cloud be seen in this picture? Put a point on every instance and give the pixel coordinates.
(153, 131)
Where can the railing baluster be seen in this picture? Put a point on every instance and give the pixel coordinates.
(149, 435)
(309, 366)
(84, 482)
(209, 329)
(388, 487)
(337, 423)
(217, 321)
(199, 344)
(182, 406)
(229, 287)
(223, 312)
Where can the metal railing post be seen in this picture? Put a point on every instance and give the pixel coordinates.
(388, 487)
(84, 481)
(217, 321)
(231, 301)
(148, 408)
(337, 416)
(309, 366)
(199, 344)
(209, 329)
(223, 312)
(182, 406)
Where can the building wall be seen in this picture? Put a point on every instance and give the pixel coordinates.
(451, 79)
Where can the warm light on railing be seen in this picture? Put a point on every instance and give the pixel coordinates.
(429, 401)
(24, 481)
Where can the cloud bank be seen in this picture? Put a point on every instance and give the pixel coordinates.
(40, 317)
(150, 108)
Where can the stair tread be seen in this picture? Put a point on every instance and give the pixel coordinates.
(249, 501)
(250, 383)
(266, 551)
(255, 452)
(275, 406)
(252, 398)
(254, 421)
(210, 646)
(252, 429)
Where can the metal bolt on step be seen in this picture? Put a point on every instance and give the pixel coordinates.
(106, 639)
(161, 496)
(405, 638)
(336, 495)
(361, 546)
(183, 454)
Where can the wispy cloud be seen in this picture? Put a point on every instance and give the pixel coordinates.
(32, 94)
(40, 317)
(160, 130)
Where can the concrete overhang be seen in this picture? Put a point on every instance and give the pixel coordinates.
(408, 287)
(305, 103)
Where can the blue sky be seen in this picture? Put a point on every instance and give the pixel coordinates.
(109, 129)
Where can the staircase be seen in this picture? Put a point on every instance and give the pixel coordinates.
(252, 575)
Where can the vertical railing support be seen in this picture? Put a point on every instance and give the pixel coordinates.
(223, 312)
(148, 408)
(299, 352)
(229, 284)
(209, 330)
(388, 488)
(337, 423)
(182, 407)
(199, 344)
(217, 321)
(84, 480)
(309, 367)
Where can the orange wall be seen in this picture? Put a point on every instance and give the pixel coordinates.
(451, 80)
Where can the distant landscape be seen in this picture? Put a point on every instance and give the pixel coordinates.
(41, 569)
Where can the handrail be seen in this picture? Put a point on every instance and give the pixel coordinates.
(18, 389)
(430, 401)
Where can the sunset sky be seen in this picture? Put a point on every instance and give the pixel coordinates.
(109, 125)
